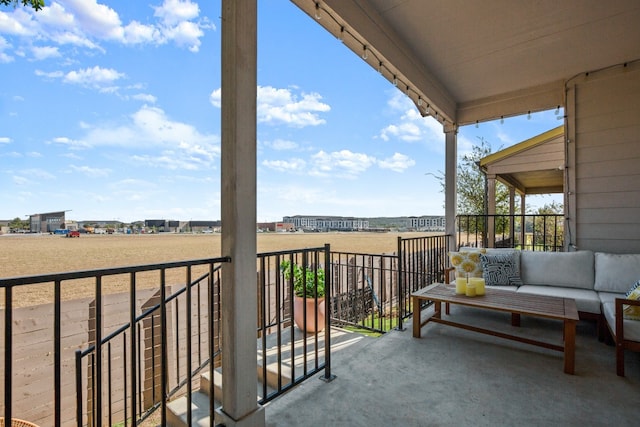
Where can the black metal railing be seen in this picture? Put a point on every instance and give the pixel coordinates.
(125, 371)
(421, 262)
(170, 343)
(132, 351)
(364, 290)
(534, 232)
(287, 355)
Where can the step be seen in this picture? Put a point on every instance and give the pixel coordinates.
(177, 409)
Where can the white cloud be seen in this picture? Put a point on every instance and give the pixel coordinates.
(344, 163)
(291, 165)
(93, 77)
(71, 143)
(86, 23)
(397, 163)
(93, 19)
(186, 33)
(50, 74)
(5, 140)
(410, 126)
(4, 45)
(20, 180)
(145, 97)
(281, 144)
(45, 52)
(91, 172)
(137, 33)
(36, 174)
(18, 22)
(174, 11)
(179, 145)
(282, 106)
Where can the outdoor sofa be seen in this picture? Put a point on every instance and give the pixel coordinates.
(598, 282)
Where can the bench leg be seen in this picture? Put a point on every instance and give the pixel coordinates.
(415, 303)
(446, 308)
(619, 357)
(569, 346)
(515, 319)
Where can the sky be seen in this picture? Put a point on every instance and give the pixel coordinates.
(110, 110)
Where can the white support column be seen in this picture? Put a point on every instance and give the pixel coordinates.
(239, 293)
(450, 183)
(512, 212)
(491, 211)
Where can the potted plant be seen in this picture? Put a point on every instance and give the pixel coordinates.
(309, 291)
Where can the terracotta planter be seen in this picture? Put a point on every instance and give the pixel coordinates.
(298, 314)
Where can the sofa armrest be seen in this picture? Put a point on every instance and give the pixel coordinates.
(620, 302)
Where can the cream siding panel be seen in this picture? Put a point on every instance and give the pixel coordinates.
(607, 157)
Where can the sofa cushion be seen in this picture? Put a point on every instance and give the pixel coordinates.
(616, 272)
(586, 300)
(467, 263)
(632, 311)
(501, 268)
(606, 297)
(565, 269)
(631, 327)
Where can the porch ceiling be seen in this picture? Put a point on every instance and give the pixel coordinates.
(475, 60)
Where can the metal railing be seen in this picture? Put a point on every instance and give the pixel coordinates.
(174, 338)
(364, 290)
(288, 356)
(422, 261)
(126, 370)
(132, 351)
(535, 232)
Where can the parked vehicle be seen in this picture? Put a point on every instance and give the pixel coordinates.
(73, 233)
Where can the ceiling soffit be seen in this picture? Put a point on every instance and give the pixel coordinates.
(480, 60)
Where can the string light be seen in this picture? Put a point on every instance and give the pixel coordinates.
(558, 110)
(366, 52)
(477, 126)
(501, 120)
(529, 115)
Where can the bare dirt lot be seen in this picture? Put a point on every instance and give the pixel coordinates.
(27, 255)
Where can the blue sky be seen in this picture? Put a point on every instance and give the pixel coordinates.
(110, 109)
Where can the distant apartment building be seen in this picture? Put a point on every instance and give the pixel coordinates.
(338, 223)
(426, 223)
(326, 223)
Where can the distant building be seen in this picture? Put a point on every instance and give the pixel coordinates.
(326, 223)
(426, 223)
(46, 222)
(339, 223)
(172, 226)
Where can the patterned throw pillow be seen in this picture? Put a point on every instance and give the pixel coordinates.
(467, 263)
(501, 269)
(632, 312)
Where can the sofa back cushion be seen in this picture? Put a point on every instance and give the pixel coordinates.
(567, 269)
(616, 272)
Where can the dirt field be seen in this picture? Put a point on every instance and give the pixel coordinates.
(27, 255)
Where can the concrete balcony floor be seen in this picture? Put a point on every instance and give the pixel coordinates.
(453, 377)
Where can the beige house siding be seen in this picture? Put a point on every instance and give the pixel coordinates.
(607, 157)
(537, 158)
